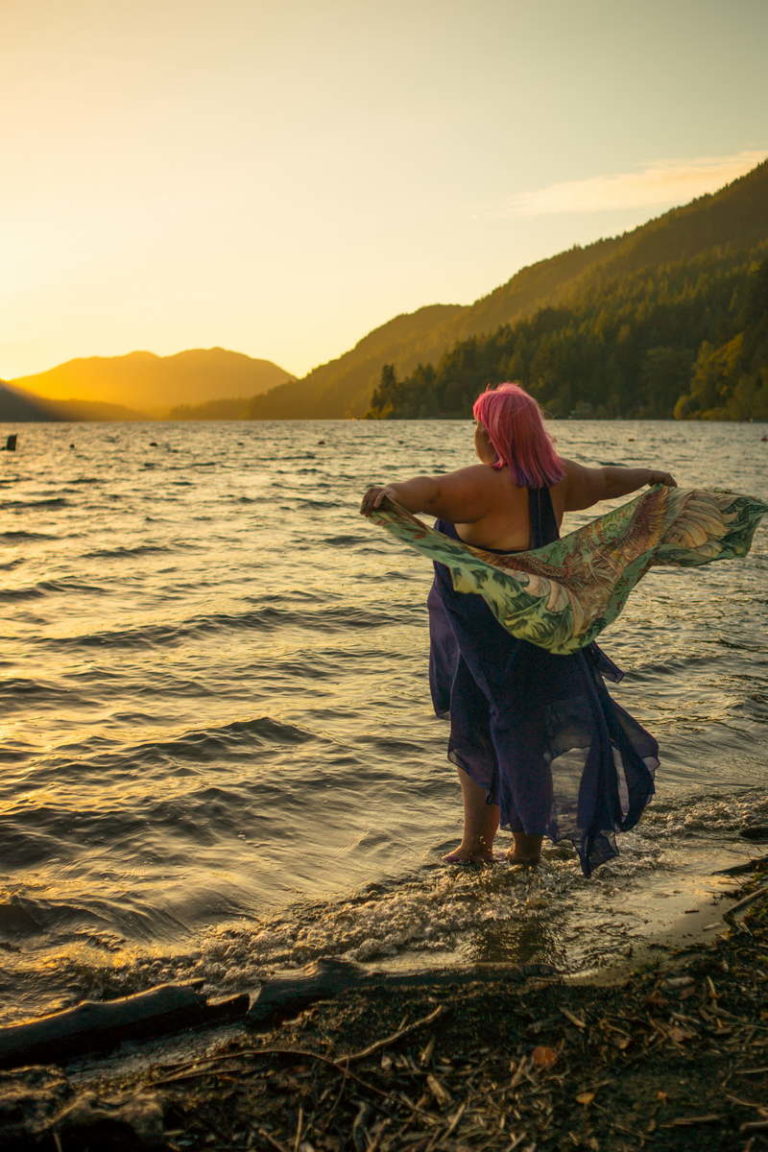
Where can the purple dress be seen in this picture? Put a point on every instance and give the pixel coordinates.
(538, 731)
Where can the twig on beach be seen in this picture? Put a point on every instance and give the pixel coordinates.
(691, 1121)
(271, 1140)
(300, 1053)
(299, 1128)
(574, 1019)
(387, 1040)
(730, 915)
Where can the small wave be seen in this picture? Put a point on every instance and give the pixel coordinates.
(31, 847)
(317, 505)
(388, 744)
(14, 752)
(137, 550)
(70, 585)
(552, 915)
(199, 746)
(341, 541)
(11, 595)
(25, 917)
(266, 620)
(20, 689)
(209, 743)
(283, 458)
(53, 502)
(11, 536)
(669, 667)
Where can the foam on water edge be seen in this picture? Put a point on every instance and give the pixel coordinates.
(663, 886)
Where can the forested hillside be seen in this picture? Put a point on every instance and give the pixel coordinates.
(688, 339)
(16, 405)
(611, 329)
(343, 387)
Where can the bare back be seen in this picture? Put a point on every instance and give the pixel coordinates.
(489, 510)
(506, 524)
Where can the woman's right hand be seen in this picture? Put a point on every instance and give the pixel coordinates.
(374, 496)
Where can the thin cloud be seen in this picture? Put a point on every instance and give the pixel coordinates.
(663, 182)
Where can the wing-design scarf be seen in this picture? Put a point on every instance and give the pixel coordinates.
(563, 595)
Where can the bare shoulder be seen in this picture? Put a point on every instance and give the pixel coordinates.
(571, 476)
(580, 487)
(466, 495)
(476, 477)
(572, 468)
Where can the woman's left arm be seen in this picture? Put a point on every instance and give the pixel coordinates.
(462, 496)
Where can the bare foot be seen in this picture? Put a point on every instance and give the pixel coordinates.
(526, 850)
(514, 858)
(462, 855)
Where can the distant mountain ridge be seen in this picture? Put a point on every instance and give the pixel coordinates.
(148, 384)
(706, 249)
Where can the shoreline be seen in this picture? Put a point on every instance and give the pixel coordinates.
(671, 1054)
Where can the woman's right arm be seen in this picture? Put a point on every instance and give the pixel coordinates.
(583, 487)
(463, 496)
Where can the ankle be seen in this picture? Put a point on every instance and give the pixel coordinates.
(526, 849)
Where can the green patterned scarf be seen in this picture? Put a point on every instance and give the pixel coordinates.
(561, 596)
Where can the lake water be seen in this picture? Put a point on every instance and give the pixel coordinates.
(219, 756)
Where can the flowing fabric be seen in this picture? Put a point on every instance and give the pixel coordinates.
(514, 667)
(562, 594)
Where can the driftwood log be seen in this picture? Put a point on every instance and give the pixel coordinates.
(286, 995)
(96, 1026)
(100, 1026)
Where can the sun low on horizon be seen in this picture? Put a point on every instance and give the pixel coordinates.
(279, 180)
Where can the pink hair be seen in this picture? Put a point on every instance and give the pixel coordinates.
(515, 428)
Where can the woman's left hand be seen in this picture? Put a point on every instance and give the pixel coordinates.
(661, 478)
(374, 496)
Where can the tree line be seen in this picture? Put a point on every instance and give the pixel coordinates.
(687, 340)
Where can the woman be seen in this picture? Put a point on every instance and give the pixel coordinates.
(540, 746)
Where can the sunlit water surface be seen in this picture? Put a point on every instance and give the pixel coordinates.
(218, 751)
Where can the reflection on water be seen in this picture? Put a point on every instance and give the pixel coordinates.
(216, 726)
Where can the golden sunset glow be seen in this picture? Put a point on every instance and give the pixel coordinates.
(280, 179)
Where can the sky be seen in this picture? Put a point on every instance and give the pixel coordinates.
(281, 177)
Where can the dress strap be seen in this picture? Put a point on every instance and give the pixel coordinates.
(542, 517)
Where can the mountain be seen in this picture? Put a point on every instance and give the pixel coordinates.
(613, 328)
(16, 405)
(343, 387)
(714, 228)
(150, 384)
(76, 410)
